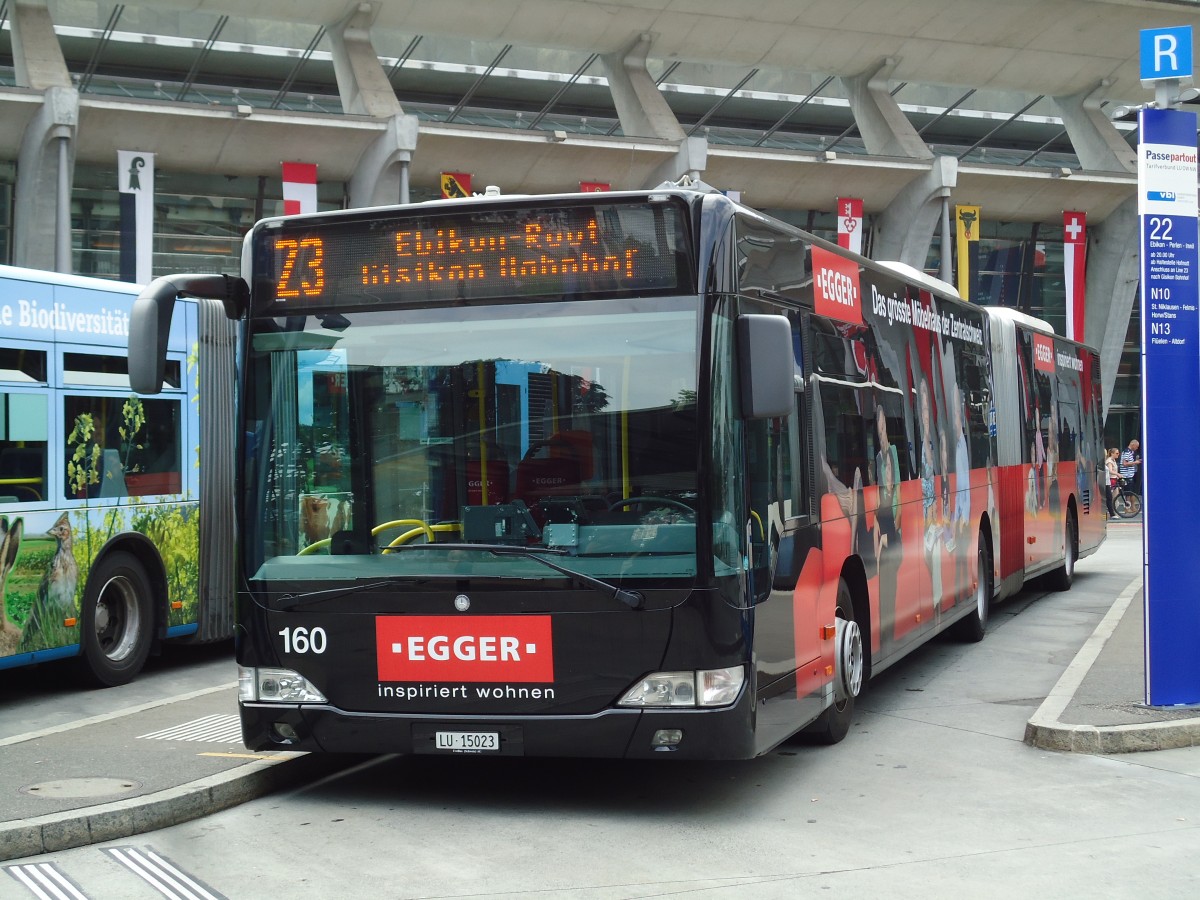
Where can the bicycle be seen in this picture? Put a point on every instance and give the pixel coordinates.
(1126, 502)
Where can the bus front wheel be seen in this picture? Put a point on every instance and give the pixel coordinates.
(849, 669)
(117, 620)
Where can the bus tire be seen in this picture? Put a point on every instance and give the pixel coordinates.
(849, 666)
(116, 621)
(973, 627)
(1062, 577)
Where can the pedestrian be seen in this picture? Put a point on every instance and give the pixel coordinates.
(1130, 463)
(1112, 478)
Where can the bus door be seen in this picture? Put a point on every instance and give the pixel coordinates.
(1043, 498)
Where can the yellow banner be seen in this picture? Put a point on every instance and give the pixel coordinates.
(967, 218)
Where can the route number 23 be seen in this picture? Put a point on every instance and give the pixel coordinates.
(303, 271)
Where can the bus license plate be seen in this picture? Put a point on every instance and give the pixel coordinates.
(467, 741)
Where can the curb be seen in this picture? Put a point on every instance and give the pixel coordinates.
(123, 818)
(1045, 730)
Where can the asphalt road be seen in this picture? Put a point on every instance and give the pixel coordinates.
(34, 698)
(933, 794)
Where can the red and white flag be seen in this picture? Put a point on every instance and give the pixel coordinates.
(850, 220)
(1075, 268)
(299, 188)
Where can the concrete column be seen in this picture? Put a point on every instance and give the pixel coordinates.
(906, 228)
(45, 173)
(690, 159)
(362, 83)
(1096, 140)
(380, 178)
(46, 160)
(1097, 143)
(640, 106)
(884, 129)
(1113, 271)
(37, 56)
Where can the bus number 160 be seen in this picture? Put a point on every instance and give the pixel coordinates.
(303, 640)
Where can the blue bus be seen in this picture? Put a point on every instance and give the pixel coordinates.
(102, 519)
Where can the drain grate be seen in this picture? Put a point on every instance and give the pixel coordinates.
(210, 729)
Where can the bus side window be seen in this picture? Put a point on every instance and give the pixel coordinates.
(796, 464)
(23, 433)
(121, 446)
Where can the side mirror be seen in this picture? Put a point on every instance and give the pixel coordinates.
(150, 320)
(765, 366)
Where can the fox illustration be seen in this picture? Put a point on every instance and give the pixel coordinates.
(10, 543)
(56, 593)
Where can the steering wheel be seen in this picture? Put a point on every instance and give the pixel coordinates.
(666, 501)
(416, 527)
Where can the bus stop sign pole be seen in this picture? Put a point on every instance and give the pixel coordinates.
(1170, 370)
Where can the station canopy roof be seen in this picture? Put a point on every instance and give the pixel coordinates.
(976, 78)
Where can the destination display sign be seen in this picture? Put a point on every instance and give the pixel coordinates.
(457, 254)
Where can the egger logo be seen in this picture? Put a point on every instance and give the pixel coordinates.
(836, 291)
(464, 648)
(1043, 353)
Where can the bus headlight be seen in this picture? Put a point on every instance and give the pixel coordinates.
(708, 687)
(276, 686)
(719, 687)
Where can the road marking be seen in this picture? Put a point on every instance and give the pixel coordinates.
(162, 874)
(242, 755)
(108, 717)
(46, 882)
(216, 728)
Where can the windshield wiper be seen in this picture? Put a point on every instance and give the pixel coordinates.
(291, 601)
(632, 599)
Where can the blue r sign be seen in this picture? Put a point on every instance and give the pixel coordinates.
(1166, 53)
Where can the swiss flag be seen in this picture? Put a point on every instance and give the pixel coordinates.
(299, 188)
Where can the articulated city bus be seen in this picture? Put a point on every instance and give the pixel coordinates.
(100, 532)
(638, 474)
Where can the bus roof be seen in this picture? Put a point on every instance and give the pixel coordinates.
(41, 276)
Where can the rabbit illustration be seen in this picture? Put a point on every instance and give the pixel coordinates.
(10, 543)
(56, 594)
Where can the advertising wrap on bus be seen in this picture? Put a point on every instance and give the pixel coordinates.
(99, 487)
(647, 476)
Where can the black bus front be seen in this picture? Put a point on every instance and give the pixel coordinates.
(476, 516)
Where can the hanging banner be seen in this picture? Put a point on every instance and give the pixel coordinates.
(299, 188)
(588, 187)
(968, 251)
(456, 184)
(849, 223)
(135, 184)
(1074, 270)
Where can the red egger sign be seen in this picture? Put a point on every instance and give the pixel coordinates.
(464, 648)
(836, 290)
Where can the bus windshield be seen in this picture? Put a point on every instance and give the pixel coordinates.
(568, 427)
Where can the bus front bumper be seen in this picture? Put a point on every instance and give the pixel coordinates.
(725, 733)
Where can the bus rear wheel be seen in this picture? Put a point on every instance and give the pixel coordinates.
(972, 628)
(117, 620)
(849, 671)
(1062, 577)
